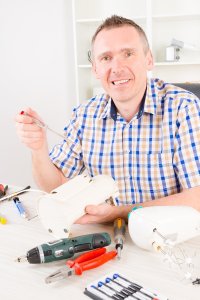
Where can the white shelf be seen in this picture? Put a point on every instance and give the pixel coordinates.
(157, 64)
(99, 20)
(88, 20)
(84, 66)
(176, 17)
(161, 20)
(178, 63)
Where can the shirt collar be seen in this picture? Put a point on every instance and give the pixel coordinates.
(151, 97)
(113, 109)
(107, 109)
(148, 103)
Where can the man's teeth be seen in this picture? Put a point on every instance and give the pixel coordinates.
(120, 81)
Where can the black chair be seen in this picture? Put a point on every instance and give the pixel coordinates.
(191, 87)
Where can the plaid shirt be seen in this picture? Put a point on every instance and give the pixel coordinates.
(154, 155)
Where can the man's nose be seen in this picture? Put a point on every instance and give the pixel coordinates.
(117, 65)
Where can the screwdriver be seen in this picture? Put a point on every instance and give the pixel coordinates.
(65, 248)
(3, 190)
(119, 235)
(41, 124)
(9, 197)
(3, 220)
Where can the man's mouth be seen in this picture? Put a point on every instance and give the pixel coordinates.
(119, 82)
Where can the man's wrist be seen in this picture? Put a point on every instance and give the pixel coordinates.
(123, 211)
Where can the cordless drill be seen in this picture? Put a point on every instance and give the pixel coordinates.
(65, 248)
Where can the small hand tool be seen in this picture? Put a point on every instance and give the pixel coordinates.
(20, 207)
(65, 248)
(87, 261)
(3, 220)
(3, 190)
(42, 124)
(9, 197)
(196, 281)
(119, 235)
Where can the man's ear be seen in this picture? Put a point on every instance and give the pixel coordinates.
(94, 70)
(149, 61)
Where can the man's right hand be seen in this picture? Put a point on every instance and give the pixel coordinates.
(28, 132)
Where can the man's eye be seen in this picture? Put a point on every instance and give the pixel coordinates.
(127, 54)
(105, 58)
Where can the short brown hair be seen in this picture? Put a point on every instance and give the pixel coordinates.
(116, 21)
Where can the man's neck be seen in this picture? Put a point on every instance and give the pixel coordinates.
(128, 109)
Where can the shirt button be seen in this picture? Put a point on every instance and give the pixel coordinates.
(128, 150)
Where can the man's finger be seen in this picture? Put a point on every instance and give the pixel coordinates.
(87, 219)
(98, 210)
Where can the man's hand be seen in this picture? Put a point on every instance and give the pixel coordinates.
(28, 132)
(34, 137)
(103, 213)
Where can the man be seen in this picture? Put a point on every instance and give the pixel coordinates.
(143, 132)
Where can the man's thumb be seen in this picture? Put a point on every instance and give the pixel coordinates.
(93, 210)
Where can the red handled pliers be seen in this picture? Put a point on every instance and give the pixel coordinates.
(3, 190)
(86, 261)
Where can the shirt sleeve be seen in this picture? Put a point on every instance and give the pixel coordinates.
(187, 145)
(67, 156)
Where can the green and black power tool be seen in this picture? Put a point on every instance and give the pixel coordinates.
(65, 248)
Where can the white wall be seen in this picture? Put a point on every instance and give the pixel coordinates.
(36, 70)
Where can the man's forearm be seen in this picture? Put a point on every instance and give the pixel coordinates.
(46, 175)
(108, 213)
(188, 197)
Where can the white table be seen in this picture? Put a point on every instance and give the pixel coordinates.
(21, 281)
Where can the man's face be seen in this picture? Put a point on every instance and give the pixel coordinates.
(120, 62)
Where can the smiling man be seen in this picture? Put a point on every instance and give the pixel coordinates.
(143, 132)
(121, 58)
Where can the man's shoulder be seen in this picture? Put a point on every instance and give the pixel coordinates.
(172, 92)
(95, 105)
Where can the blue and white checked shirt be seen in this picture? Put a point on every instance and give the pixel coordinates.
(154, 155)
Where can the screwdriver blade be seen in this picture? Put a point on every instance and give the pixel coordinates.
(119, 252)
(21, 258)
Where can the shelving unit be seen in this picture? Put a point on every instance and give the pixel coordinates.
(162, 21)
(179, 19)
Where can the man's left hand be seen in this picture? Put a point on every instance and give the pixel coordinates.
(102, 213)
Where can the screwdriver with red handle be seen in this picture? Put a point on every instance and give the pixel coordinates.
(84, 262)
(3, 190)
(41, 124)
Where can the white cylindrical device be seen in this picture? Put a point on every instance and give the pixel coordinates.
(64, 205)
(175, 223)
